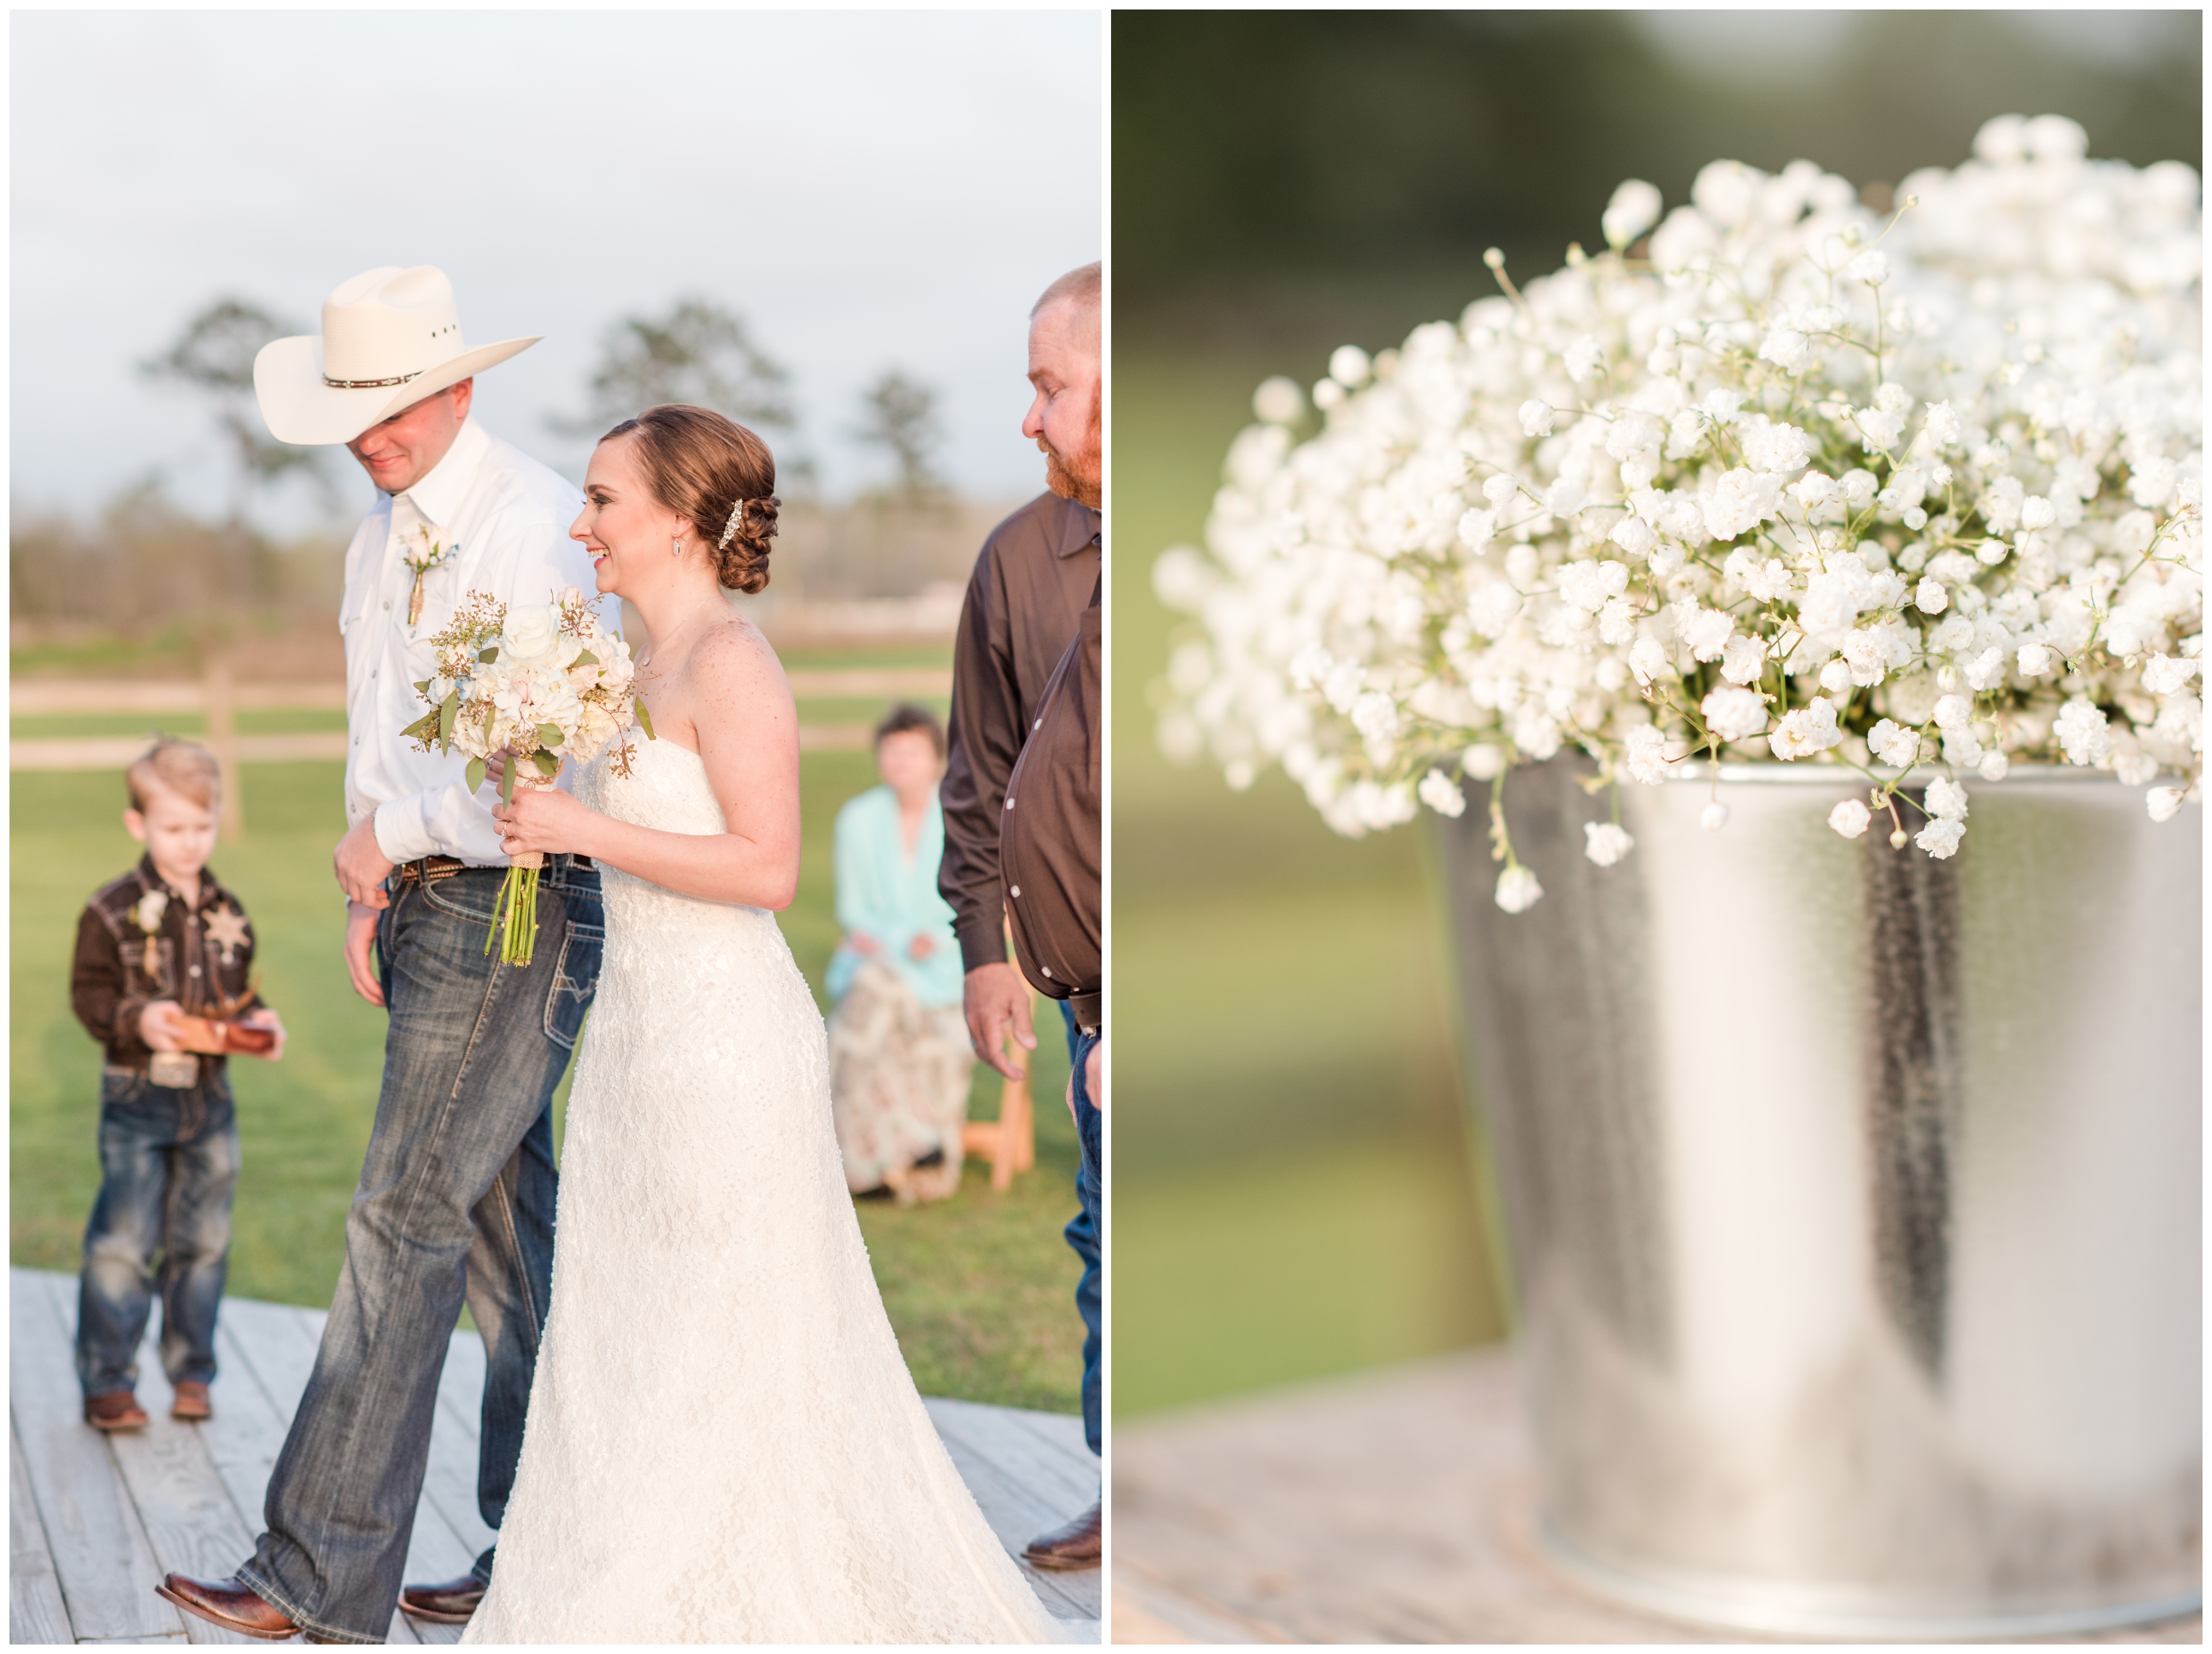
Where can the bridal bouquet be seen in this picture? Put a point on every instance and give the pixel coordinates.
(540, 685)
(1776, 477)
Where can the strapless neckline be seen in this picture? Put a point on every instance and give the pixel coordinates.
(670, 746)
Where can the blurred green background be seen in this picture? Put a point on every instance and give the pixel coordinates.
(1295, 1191)
(979, 1287)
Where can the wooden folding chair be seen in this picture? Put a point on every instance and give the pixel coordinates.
(1009, 1142)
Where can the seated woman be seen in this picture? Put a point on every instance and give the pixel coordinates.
(900, 1061)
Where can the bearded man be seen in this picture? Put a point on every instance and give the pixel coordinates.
(456, 1197)
(1038, 573)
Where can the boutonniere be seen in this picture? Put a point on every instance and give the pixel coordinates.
(423, 552)
(149, 909)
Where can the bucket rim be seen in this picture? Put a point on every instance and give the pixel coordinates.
(1712, 1604)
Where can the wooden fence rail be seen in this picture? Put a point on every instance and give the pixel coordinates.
(220, 697)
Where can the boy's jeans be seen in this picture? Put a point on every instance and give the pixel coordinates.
(168, 1162)
(455, 1200)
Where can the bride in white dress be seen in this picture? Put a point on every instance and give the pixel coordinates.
(724, 1443)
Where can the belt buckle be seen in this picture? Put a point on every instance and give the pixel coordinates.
(177, 1070)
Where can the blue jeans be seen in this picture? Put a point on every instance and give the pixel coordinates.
(455, 1201)
(168, 1162)
(1087, 1229)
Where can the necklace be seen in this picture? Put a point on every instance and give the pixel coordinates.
(645, 655)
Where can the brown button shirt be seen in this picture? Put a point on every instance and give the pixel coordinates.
(1025, 600)
(202, 957)
(1048, 843)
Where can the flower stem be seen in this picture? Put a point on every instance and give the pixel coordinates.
(514, 917)
(1501, 842)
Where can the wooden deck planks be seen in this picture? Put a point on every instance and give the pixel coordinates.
(102, 1561)
(191, 1521)
(1044, 1452)
(35, 1613)
(1024, 1488)
(96, 1521)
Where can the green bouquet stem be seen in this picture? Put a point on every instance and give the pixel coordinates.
(514, 917)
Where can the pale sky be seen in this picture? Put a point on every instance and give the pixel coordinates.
(866, 189)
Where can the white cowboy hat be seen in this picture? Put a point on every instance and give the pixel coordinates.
(391, 337)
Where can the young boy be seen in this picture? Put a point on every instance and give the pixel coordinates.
(163, 955)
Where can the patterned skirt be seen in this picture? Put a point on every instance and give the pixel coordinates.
(898, 1087)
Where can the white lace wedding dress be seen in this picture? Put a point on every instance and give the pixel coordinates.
(724, 1443)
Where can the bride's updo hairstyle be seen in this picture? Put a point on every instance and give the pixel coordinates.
(700, 465)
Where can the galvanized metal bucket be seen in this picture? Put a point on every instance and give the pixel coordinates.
(1854, 1199)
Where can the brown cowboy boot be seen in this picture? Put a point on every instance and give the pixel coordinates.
(449, 1604)
(230, 1604)
(117, 1410)
(1076, 1546)
(191, 1401)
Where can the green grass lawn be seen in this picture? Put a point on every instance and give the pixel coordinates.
(980, 1287)
(1295, 1191)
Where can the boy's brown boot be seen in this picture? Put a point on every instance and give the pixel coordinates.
(192, 1400)
(117, 1410)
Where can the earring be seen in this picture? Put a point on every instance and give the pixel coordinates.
(678, 551)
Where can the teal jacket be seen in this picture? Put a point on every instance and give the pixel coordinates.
(884, 895)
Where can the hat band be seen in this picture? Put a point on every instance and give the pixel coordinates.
(370, 384)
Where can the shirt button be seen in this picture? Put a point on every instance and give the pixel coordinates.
(1010, 803)
(193, 971)
(1038, 724)
(387, 603)
(1015, 890)
(1048, 970)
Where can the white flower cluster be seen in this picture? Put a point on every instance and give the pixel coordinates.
(422, 551)
(549, 682)
(1786, 481)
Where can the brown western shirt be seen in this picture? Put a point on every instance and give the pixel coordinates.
(1049, 842)
(1026, 601)
(199, 955)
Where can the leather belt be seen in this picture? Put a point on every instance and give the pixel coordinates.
(430, 869)
(1088, 1010)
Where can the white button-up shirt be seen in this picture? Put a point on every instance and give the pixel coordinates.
(509, 517)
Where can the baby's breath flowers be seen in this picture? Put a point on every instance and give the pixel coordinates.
(1797, 484)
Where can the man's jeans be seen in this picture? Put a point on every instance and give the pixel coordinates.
(455, 1200)
(168, 1162)
(1087, 1231)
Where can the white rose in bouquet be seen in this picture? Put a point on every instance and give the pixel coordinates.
(531, 635)
(1768, 492)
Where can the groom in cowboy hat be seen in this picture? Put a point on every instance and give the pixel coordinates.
(455, 1202)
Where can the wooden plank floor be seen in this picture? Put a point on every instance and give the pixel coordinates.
(1389, 1508)
(94, 1521)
